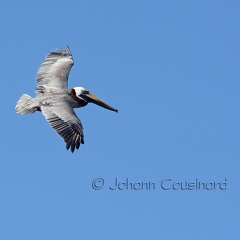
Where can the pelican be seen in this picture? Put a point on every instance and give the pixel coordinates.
(54, 100)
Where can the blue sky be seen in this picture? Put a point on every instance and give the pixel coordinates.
(171, 68)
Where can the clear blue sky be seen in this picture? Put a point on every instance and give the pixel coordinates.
(172, 69)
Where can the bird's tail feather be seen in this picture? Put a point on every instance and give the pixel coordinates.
(25, 105)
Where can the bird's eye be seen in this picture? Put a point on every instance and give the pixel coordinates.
(86, 91)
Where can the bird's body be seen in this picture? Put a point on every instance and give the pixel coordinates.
(54, 100)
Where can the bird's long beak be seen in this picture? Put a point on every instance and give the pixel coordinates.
(89, 97)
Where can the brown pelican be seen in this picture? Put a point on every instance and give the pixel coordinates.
(54, 100)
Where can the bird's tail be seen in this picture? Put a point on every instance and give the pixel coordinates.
(25, 105)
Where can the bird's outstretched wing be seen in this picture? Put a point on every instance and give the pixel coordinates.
(53, 72)
(66, 123)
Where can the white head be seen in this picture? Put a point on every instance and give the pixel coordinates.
(80, 90)
(88, 97)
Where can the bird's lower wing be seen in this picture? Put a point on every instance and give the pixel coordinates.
(66, 123)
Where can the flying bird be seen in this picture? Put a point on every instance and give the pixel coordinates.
(54, 100)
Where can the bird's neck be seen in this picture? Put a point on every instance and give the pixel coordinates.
(81, 102)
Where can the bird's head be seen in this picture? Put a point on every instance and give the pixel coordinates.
(88, 97)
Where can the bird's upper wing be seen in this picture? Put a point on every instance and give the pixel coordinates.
(53, 72)
(66, 123)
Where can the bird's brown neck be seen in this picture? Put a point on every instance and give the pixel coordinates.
(72, 93)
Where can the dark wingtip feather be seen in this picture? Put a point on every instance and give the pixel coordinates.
(72, 147)
(82, 139)
(68, 144)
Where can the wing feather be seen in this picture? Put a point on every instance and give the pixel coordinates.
(54, 71)
(63, 119)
